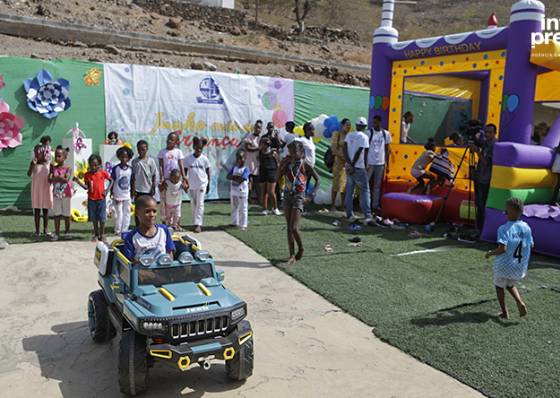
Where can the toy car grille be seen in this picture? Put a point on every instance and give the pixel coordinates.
(199, 327)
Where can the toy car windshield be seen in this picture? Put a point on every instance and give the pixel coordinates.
(163, 276)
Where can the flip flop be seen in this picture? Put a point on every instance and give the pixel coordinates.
(328, 248)
(324, 211)
(34, 235)
(357, 244)
(67, 236)
(54, 238)
(95, 239)
(355, 227)
(103, 239)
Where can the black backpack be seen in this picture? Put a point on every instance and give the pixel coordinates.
(329, 159)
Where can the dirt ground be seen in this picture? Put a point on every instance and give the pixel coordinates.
(124, 15)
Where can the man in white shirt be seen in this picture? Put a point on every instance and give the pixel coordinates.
(378, 157)
(355, 151)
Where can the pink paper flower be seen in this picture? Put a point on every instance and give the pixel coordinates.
(10, 125)
(2, 84)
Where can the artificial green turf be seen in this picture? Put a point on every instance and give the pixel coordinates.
(438, 307)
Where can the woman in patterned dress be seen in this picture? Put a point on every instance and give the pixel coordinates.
(339, 171)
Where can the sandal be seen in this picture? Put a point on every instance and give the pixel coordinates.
(67, 236)
(355, 227)
(103, 238)
(54, 238)
(328, 248)
(95, 239)
(34, 235)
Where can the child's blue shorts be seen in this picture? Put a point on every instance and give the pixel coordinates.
(97, 210)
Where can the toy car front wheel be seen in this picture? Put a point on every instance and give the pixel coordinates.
(241, 365)
(133, 363)
(100, 325)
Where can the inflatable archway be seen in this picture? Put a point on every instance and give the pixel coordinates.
(504, 77)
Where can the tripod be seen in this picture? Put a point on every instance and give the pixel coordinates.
(471, 179)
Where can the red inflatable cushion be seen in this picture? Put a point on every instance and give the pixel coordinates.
(414, 209)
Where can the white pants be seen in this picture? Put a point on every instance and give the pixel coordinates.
(121, 215)
(197, 205)
(239, 210)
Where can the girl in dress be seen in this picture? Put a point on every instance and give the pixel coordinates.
(41, 194)
(59, 176)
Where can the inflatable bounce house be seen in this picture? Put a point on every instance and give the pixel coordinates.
(502, 75)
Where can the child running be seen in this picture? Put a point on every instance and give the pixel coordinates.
(145, 170)
(512, 256)
(124, 177)
(41, 193)
(170, 158)
(239, 191)
(94, 183)
(197, 171)
(173, 199)
(59, 177)
(295, 169)
(418, 170)
(268, 164)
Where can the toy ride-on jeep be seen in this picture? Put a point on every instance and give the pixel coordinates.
(170, 309)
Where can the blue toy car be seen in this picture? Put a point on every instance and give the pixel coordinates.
(170, 309)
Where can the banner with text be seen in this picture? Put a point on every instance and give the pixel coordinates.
(147, 103)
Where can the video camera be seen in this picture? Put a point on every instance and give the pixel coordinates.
(471, 128)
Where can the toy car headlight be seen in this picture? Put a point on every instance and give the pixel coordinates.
(202, 255)
(185, 258)
(164, 259)
(235, 314)
(146, 260)
(157, 326)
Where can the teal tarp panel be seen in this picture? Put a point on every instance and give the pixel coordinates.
(314, 99)
(88, 108)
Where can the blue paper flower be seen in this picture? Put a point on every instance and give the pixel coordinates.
(45, 96)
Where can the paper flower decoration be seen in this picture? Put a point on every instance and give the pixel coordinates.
(92, 77)
(79, 145)
(2, 84)
(45, 96)
(10, 124)
(81, 169)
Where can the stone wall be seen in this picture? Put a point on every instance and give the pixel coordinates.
(239, 22)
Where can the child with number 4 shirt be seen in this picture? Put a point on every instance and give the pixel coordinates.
(512, 256)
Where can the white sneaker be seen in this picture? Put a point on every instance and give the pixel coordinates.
(353, 217)
(276, 212)
(265, 213)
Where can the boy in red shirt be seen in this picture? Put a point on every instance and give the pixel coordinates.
(94, 182)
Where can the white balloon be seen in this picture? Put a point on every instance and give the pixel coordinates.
(329, 190)
(328, 198)
(319, 199)
(319, 128)
(338, 201)
(322, 118)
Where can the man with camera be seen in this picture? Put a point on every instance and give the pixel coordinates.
(485, 151)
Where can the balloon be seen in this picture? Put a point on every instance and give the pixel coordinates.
(329, 190)
(320, 197)
(378, 101)
(338, 200)
(299, 130)
(512, 102)
(319, 128)
(371, 102)
(266, 101)
(504, 102)
(279, 119)
(328, 122)
(339, 126)
(385, 103)
(322, 118)
(334, 119)
(327, 134)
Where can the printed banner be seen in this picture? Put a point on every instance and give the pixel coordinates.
(148, 103)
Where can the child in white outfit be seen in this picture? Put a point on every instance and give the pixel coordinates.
(239, 191)
(174, 199)
(197, 172)
(123, 175)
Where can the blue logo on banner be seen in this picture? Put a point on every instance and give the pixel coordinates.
(210, 92)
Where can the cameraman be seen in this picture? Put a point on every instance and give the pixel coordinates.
(485, 151)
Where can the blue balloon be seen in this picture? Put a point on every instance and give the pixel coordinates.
(327, 134)
(339, 126)
(334, 119)
(332, 129)
(328, 123)
(309, 189)
(512, 102)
